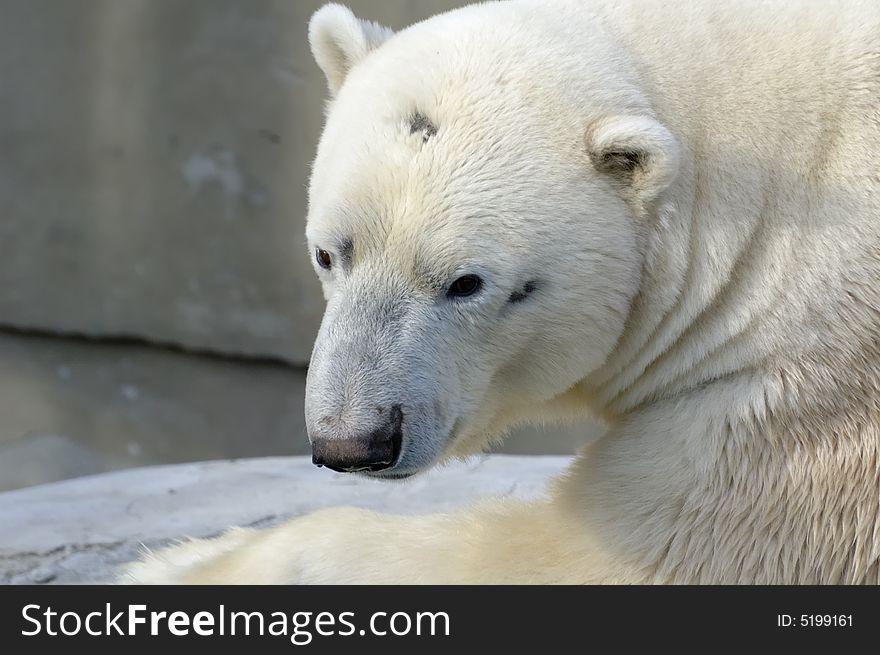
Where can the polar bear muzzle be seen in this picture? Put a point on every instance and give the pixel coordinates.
(376, 449)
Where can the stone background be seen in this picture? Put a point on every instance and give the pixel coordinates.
(156, 301)
(155, 156)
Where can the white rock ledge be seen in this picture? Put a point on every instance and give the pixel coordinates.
(79, 531)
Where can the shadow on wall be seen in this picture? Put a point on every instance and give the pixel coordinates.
(154, 157)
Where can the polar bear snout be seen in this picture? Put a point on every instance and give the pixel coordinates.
(375, 449)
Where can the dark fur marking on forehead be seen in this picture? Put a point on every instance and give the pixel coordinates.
(522, 294)
(421, 124)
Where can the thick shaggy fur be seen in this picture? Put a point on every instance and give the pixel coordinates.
(675, 211)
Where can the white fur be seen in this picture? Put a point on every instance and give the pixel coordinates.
(340, 40)
(715, 298)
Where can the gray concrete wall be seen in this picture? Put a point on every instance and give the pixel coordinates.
(154, 157)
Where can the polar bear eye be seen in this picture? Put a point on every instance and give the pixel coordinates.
(466, 285)
(323, 258)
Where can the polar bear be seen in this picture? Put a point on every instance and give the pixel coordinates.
(666, 215)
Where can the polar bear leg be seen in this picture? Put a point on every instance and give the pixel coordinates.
(500, 542)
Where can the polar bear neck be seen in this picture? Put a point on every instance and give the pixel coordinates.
(763, 261)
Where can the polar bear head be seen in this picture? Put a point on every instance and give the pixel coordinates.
(478, 214)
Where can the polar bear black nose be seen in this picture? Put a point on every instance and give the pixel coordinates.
(374, 450)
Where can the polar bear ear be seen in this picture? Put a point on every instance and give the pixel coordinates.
(639, 153)
(339, 40)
